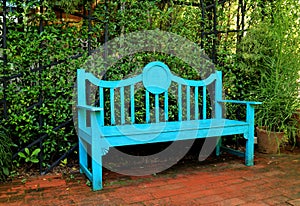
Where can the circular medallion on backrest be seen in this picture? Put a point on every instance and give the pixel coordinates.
(156, 77)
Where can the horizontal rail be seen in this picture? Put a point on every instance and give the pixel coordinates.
(89, 108)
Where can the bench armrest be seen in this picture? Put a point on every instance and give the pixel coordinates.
(90, 108)
(239, 102)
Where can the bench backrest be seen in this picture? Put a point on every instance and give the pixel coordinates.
(156, 80)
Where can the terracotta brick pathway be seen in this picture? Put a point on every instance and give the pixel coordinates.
(274, 180)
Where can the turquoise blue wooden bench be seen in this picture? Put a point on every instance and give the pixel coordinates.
(98, 136)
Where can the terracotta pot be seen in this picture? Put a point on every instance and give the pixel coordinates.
(268, 142)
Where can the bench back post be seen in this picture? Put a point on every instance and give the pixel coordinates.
(81, 96)
(218, 95)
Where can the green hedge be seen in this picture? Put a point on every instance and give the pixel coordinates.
(28, 49)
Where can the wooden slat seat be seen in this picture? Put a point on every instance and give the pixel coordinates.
(171, 131)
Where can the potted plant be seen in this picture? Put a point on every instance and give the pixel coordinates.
(270, 54)
(296, 117)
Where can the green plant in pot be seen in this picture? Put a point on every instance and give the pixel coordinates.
(296, 134)
(270, 55)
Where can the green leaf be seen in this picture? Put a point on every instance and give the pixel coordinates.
(27, 151)
(21, 154)
(35, 160)
(35, 152)
(5, 171)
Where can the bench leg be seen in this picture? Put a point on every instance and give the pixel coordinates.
(83, 161)
(249, 154)
(218, 146)
(96, 167)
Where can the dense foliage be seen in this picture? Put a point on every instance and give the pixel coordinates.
(5, 153)
(45, 46)
(270, 51)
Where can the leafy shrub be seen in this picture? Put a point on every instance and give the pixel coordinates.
(41, 73)
(270, 52)
(5, 154)
(43, 66)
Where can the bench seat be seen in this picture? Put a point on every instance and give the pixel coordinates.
(135, 134)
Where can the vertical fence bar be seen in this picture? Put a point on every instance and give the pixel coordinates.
(188, 102)
(4, 45)
(202, 22)
(40, 82)
(89, 30)
(40, 65)
(132, 109)
(238, 16)
(106, 23)
(243, 16)
(105, 54)
(166, 106)
(179, 103)
(238, 22)
(122, 105)
(156, 108)
(196, 103)
(147, 107)
(214, 50)
(204, 102)
(112, 107)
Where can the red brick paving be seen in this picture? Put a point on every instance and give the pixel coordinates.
(274, 180)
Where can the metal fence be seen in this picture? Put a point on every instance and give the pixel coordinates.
(208, 8)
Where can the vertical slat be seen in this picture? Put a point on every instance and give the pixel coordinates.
(204, 101)
(132, 104)
(166, 110)
(218, 95)
(122, 105)
(196, 103)
(147, 107)
(101, 104)
(156, 108)
(179, 103)
(112, 107)
(188, 102)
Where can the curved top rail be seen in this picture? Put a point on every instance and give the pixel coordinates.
(113, 84)
(139, 78)
(120, 83)
(195, 83)
(94, 80)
